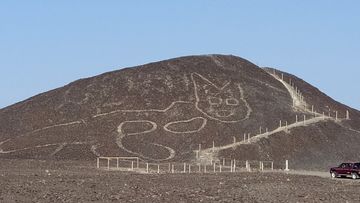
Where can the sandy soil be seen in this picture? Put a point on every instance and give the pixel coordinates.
(48, 181)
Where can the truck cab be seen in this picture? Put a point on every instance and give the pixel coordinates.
(346, 170)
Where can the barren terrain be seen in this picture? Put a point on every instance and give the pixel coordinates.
(70, 181)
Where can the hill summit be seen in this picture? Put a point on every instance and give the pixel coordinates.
(194, 108)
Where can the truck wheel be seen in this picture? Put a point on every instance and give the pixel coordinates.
(354, 176)
(333, 175)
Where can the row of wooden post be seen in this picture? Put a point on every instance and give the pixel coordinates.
(188, 168)
(247, 136)
(214, 167)
(117, 161)
(302, 98)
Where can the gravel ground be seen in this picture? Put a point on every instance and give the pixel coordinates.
(48, 181)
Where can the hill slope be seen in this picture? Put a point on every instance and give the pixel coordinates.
(162, 111)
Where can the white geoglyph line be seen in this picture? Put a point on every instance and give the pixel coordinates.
(211, 153)
(122, 135)
(186, 121)
(249, 110)
(45, 128)
(93, 150)
(139, 111)
(60, 147)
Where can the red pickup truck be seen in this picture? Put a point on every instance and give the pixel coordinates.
(346, 169)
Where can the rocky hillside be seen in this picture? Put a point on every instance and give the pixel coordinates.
(163, 111)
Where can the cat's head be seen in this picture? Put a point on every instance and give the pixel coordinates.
(225, 104)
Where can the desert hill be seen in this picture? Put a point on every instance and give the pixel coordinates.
(162, 111)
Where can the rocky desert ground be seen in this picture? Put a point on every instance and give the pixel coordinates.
(73, 181)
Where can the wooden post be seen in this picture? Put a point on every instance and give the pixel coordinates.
(244, 137)
(347, 115)
(147, 167)
(282, 76)
(189, 168)
(287, 165)
(223, 161)
(197, 154)
(137, 163)
(169, 167)
(272, 165)
(260, 130)
(312, 108)
(158, 168)
(304, 119)
(199, 167)
(260, 165)
(280, 124)
(234, 165)
(336, 115)
(214, 167)
(234, 139)
(117, 162)
(132, 165)
(204, 168)
(220, 168)
(172, 168)
(108, 163)
(213, 148)
(231, 166)
(184, 167)
(286, 124)
(98, 162)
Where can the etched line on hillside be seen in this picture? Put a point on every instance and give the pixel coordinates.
(93, 149)
(204, 121)
(60, 145)
(298, 102)
(121, 135)
(144, 110)
(215, 115)
(44, 128)
(225, 104)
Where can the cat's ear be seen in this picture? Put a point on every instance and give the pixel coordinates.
(203, 86)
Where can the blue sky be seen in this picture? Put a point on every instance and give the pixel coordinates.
(47, 44)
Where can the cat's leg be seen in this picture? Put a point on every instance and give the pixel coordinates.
(135, 137)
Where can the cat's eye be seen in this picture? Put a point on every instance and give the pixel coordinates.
(232, 102)
(214, 100)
